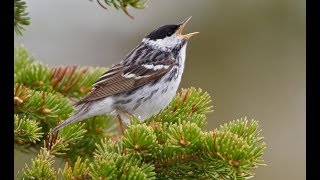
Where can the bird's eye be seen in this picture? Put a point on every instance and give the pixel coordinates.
(169, 33)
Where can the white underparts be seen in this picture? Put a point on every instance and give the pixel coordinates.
(151, 99)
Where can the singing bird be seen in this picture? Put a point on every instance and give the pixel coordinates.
(143, 83)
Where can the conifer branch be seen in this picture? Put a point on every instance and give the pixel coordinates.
(21, 60)
(46, 107)
(169, 145)
(40, 168)
(70, 81)
(97, 128)
(26, 130)
(189, 105)
(21, 18)
(66, 138)
(123, 5)
(74, 81)
(110, 162)
(80, 170)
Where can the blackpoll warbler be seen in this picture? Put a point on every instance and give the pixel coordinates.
(143, 83)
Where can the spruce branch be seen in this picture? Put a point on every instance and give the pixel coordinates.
(29, 72)
(182, 150)
(26, 130)
(67, 137)
(21, 18)
(74, 81)
(44, 106)
(121, 167)
(185, 135)
(97, 128)
(229, 152)
(40, 168)
(70, 81)
(80, 170)
(111, 163)
(21, 59)
(123, 5)
(169, 145)
(35, 76)
(188, 152)
(140, 139)
(237, 144)
(189, 105)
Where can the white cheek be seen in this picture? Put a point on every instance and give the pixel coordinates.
(166, 43)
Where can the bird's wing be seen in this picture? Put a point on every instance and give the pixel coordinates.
(121, 78)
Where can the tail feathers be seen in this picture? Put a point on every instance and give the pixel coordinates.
(64, 123)
(78, 116)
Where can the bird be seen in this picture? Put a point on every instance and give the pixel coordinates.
(143, 83)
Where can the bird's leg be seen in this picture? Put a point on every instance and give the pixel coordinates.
(122, 131)
(120, 124)
(128, 114)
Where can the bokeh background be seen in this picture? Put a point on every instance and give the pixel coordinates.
(250, 56)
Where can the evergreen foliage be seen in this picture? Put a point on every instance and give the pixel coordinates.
(80, 170)
(124, 4)
(21, 18)
(41, 167)
(71, 81)
(26, 130)
(171, 144)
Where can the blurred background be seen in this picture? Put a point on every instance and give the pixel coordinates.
(250, 56)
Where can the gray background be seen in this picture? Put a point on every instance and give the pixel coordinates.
(249, 55)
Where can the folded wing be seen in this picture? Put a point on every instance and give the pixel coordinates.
(121, 78)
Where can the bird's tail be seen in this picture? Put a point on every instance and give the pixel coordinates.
(78, 116)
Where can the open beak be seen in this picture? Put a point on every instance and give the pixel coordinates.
(182, 26)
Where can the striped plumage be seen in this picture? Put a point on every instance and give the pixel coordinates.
(143, 83)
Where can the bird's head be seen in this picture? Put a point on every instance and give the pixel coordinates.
(169, 36)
